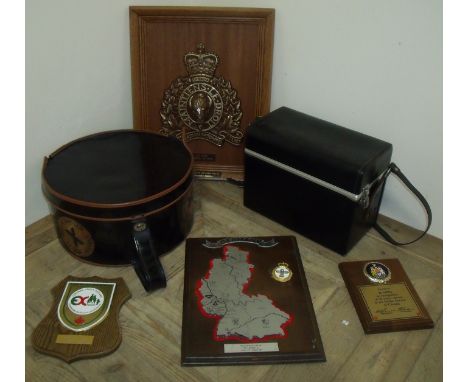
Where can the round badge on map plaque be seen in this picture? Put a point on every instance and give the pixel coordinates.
(282, 273)
(76, 238)
(377, 272)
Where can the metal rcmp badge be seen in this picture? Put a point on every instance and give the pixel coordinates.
(84, 304)
(282, 273)
(202, 105)
(377, 272)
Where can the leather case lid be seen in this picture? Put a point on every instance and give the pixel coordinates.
(337, 155)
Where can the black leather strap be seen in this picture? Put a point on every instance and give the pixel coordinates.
(393, 168)
(146, 261)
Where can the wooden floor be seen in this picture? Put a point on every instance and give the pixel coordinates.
(151, 323)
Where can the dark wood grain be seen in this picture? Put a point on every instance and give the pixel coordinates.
(243, 40)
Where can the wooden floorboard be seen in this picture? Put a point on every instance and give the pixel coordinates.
(39, 234)
(151, 323)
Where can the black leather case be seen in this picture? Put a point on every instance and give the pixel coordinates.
(314, 177)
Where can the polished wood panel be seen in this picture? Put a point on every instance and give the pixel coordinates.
(243, 40)
(151, 323)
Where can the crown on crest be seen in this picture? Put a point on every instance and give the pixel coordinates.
(201, 65)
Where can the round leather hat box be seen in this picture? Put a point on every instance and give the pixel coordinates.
(121, 197)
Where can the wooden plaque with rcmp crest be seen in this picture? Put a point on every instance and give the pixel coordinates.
(246, 301)
(202, 75)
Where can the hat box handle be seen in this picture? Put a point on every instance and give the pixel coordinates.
(145, 260)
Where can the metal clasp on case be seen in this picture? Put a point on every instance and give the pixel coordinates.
(364, 200)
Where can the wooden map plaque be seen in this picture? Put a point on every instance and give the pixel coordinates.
(384, 297)
(202, 75)
(83, 321)
(246, 301)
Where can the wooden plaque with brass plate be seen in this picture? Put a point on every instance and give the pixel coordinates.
(384, 297)
(202, 75)
(83, 321)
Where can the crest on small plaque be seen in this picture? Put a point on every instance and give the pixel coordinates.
(282, 272)
(377, 272)
(84, 305)
(202, 105)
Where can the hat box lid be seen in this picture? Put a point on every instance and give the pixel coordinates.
(119, 173)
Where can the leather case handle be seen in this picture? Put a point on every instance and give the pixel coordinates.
(146, 261)
(393, 168)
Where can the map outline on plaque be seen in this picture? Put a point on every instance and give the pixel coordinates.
(202, 105)
(384, 298)
(240, 316)
(235, 312)
(93, 303)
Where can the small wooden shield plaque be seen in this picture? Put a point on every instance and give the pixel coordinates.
(83, 321)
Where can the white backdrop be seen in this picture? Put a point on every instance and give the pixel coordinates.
(374, 66)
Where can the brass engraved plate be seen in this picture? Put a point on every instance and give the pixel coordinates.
(390, 302)
(76, 238)
(251, 348)
(201, 157)
(208, 174)
(74, 339)
(202, 105)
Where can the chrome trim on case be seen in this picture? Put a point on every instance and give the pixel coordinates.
(361, 198)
